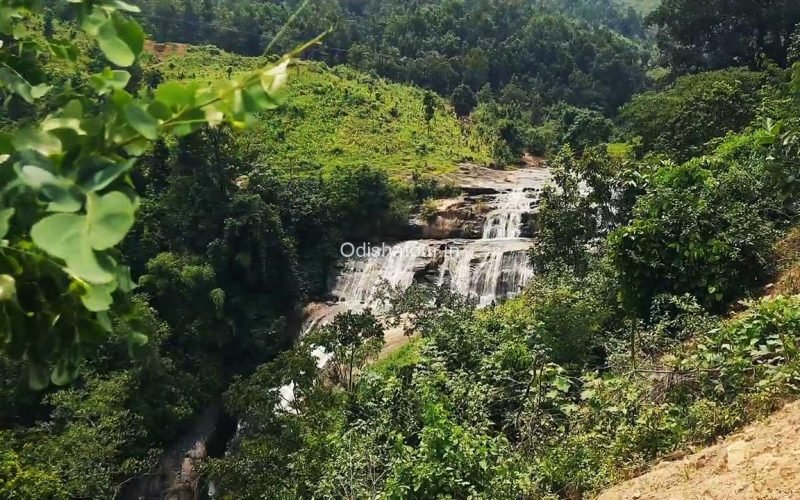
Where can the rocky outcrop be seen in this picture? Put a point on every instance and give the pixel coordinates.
(461, 217)
(176, 475)
(465, 217)
(759, 462)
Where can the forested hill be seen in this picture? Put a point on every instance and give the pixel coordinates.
(166, 211)
(438, 44)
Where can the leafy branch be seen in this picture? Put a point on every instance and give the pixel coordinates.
(66, 197)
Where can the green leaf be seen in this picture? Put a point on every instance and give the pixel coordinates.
(63, 50)
(119, 4)
(8, 287)
(91, 24)
(5, 221)
(561, 383)
(97, 298)
(110, 217)
(66, 236)
(102, 172)
(136, 341)
(38, 376)
(63, 196)
(104, 321)
(73, 124)
(124, 280)
(121, 40)
(141, 121)
(159, 110)
(109, 80)
(37, 140)
(38, 91)
(13, 81)
(176, 95)
(35, 176)
(65, 371)
(137, 147)
(191, 121)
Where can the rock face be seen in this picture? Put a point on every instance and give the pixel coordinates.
(176, 476)
(462, 217)
(760, 462)
(466, 217)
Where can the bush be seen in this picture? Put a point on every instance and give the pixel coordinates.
(696, 232)
(429, 210)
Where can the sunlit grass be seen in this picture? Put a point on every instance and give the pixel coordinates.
(339, 118)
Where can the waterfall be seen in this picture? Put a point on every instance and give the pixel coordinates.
(506, 220)
(497, 265)
(487, 269)
(395, 265)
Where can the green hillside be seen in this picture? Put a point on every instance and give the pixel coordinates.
(643, 6)
(338, 117)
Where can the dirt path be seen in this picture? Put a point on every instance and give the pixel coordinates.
(760, 462)
(395, 339)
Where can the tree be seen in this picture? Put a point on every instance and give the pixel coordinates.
(720, 33)
(463, 100)
(681, 119)
(697, 231)
(352, 339)
(429, 108)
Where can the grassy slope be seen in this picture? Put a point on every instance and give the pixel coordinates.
(643, 6)
(340, 118)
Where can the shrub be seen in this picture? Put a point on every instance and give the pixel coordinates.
(694, 232)
(429, 210)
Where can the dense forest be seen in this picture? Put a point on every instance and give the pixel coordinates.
(178, 177)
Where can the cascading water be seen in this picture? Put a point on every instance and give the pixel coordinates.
(395, 265)
(506, 221)
(497, 265)
(487, 269)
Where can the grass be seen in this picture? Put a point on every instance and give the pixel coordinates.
(643, 6)
(339, 118)
(407, 355)
(620, 149)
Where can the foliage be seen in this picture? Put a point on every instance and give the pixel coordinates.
(581, 128)
(610, 13)
(463, 100)
(700, 230)
(351, 339)
(429, 210)
(436, 45)
(483, 412)
(68, 197)
(719, 33)
(25, 483)
(340, 119)
(590, 197)
(557, 392)
(626, 420)
(681, 119)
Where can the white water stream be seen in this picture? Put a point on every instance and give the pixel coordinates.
(487, 269)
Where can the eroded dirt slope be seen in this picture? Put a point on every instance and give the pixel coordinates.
(760, 462)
